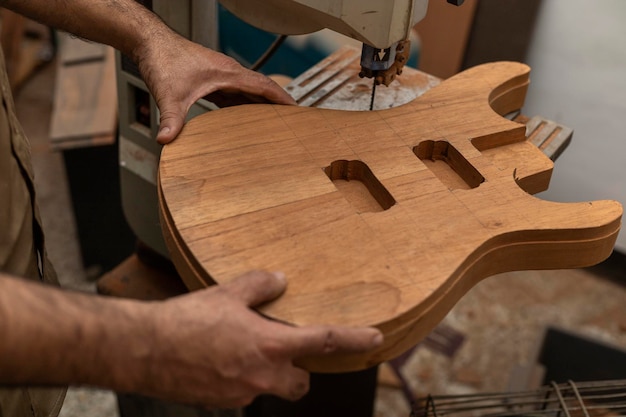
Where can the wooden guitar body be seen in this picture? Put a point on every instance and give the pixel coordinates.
(382, 218)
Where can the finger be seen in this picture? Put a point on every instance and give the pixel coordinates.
(171, 123)
(227, 98)
(262, 86)
(293, 383)
(324, 340)
(257, 287)
(279, 96)
(223, 99)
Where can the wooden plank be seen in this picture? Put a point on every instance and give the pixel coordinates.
(250, 187)
(444, 34)
(85, 101)
(73, 50)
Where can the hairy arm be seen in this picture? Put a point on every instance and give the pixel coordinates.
(205, 348)
(123, 24)
(177, 71)
(48, 332)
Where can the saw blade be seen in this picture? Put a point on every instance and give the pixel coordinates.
(373, 95)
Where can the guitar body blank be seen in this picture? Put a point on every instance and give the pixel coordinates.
(381, 218)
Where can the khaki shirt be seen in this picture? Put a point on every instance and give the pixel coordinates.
(22, 249)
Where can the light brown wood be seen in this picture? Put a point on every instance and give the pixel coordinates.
(444, 34)
(444, 201)
(85, 99)
(75, 51)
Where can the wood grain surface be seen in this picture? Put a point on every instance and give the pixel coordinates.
(382, 218)
(85, 100)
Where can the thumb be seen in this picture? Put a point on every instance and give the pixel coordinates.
(257, 287)
(170, 123)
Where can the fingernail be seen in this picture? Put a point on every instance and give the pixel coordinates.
(165, 131)
(280, 275)
(378, 339)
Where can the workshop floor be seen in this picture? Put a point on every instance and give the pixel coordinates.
(502, 319)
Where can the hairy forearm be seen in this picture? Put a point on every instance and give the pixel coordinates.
(207, 347)
(56, 337)
(124, 24)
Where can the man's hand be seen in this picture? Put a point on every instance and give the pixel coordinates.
(179, 72)
(211, 349)
(206, 348)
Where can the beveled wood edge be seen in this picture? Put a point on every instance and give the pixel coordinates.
(189, 269)
(434, 309)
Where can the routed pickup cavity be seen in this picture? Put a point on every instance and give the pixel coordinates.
(448, 165)
(359, 186)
